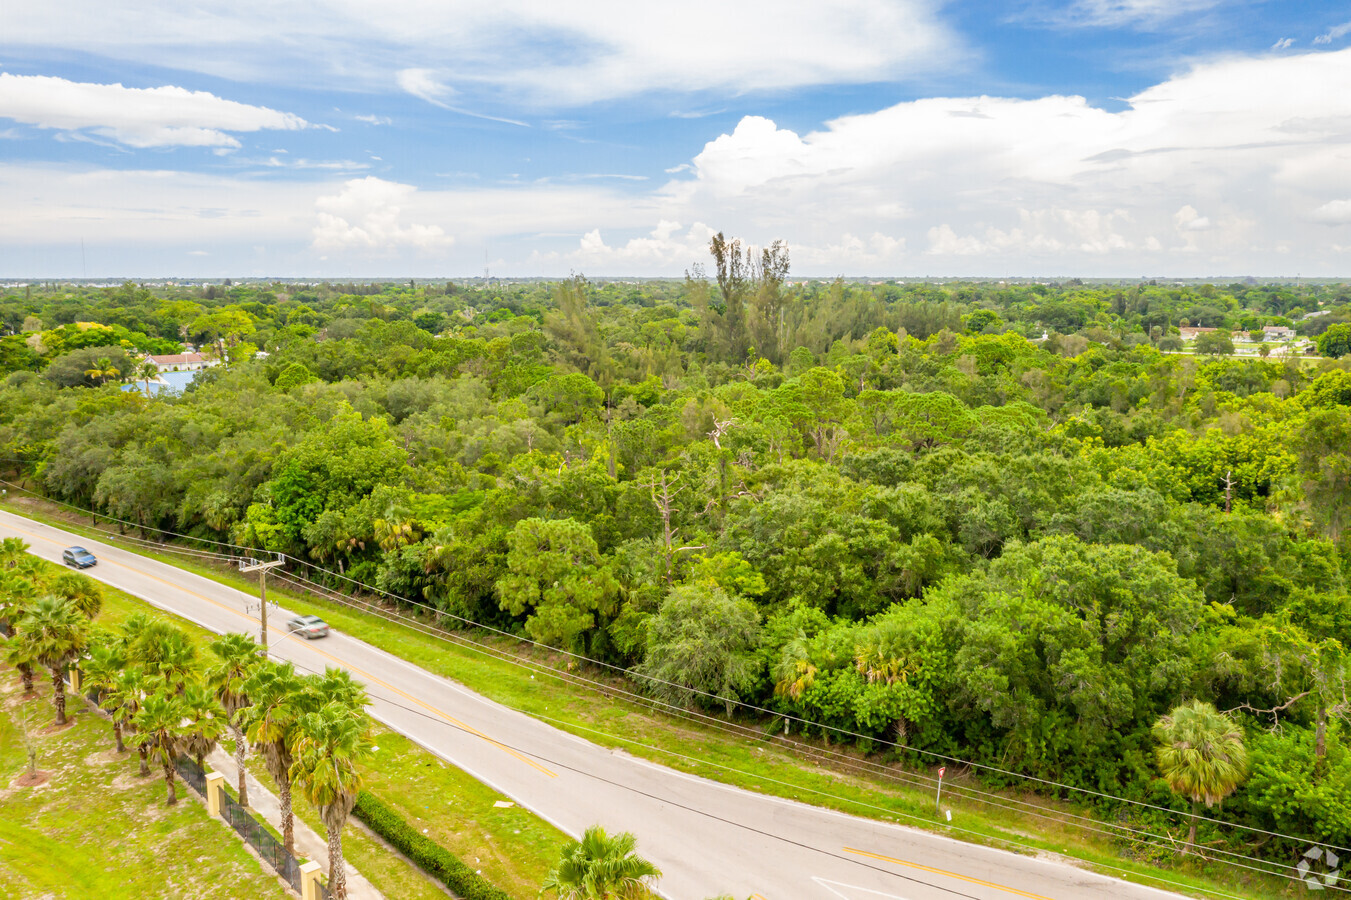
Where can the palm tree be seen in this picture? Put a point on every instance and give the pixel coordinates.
(105, 662)
(159, 729)
(123, 701)
(16, 598)
(17, 594)
(59, 635)
(83, 591)
(20, 654)
(600, 867)
(335, 686)
(236, 656)
(103, 369)
(271, 724)
(885, 654)
(1201, 756)
(12, 550)
(330, 743)
(162, 649)
(205, 723)
(794, 672)
(147, 370)
(395, 529)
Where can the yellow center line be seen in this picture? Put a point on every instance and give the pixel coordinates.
(287, 635)
(931, 870)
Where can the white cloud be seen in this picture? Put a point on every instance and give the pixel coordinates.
(1188, 219)
(1116, 13)
(1334, 212)
(663, 249)
(374, 120)
(427, 84)
(1236, 166)
(1334, 33)
(1283, 44)
(1254, 142)
(138, 117)
(365, 216)
(596, 49)
(423, 84)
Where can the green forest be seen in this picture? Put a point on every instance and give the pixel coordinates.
(1011, 523)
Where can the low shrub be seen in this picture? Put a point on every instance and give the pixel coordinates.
(430, 856)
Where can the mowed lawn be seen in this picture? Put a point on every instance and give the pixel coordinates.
(510, 846)
(95, 828)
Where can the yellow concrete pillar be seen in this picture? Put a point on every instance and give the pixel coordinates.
(215, 786)
(309, 880)
(73, 675)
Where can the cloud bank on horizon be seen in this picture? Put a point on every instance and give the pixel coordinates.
(888, 138)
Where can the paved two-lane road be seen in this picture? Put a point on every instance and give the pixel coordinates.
(707, 838)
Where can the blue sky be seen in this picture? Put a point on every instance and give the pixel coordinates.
(343, 138)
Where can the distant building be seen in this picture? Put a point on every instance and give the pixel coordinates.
(1189, 334)
(182, 362)
(1278, 333)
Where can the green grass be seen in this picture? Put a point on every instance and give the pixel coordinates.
(760, 765)
(510, 847)
(513, 847)
(97, 829)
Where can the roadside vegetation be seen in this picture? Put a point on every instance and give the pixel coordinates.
(892, 516)
(173, 689)
(76, 818)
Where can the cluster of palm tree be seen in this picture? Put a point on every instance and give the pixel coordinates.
(312, 730)
(166, 701)
(47, 619)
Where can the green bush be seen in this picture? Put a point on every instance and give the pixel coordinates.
(430, 856)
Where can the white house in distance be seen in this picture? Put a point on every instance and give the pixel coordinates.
(182, 362)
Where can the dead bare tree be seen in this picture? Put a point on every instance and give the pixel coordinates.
(720, 428)
(664, 500)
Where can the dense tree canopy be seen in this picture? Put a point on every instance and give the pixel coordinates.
(1006, 522)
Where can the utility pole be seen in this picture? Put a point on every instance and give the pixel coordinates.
(253, 565)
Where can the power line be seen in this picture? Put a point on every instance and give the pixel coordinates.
(705, 694)
(916, 780)
(972, 794)
(554, 762)
(804, 722)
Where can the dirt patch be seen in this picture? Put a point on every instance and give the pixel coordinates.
(15, 700)
(128, 782)
(26, 781)
(54, 728)
(107, 757)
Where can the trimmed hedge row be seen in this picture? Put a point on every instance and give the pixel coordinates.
(430, 856)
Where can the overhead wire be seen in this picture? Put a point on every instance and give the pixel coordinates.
(555, 762)
(797, 719)
(863, 767)
(912, 779)
(576, 679)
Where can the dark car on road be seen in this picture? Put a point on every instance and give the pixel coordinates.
(78, 557)
(310, 626)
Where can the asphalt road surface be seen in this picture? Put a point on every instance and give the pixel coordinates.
(707, 838)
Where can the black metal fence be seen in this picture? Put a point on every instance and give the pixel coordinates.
(247, 826)
(191, 774)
